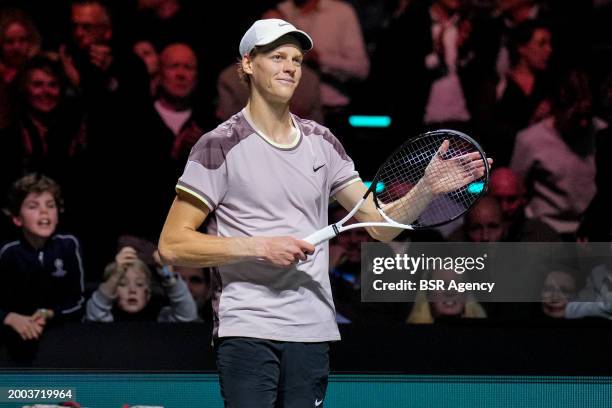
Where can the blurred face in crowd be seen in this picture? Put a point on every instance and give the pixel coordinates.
(133, 290)
(91, 25)
(276, 72)
(194, 277)
(178, 71)
(42, 90)
(147, 53)
(506, 187)
(559, 289)
(38, 215)
(576, 121)
(351, 241)
(446, 302)
(536, 53)
(17, 46)
(509, 5)
(484, 222)
(149, 4)
(450, 5)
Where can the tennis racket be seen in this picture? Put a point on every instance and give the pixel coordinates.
(429, 181)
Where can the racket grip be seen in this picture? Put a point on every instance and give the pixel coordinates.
(322, 235)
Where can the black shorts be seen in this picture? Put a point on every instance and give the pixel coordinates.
(272, 374)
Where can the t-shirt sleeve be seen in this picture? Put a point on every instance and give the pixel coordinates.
(341, 168)
(205, 175)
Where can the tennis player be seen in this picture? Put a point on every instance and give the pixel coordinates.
(266, 177)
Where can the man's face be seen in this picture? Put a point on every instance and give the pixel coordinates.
(506, 188)
(38, 215)
(276, 74)
(178, 71)
(484, 223)
(146, 51)
(42, 90)
(194, 277)
(536, 53)
(91, 25)
(351, 241)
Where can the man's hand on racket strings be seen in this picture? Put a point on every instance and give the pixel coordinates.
(446, 175)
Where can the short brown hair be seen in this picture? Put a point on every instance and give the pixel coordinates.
(32, 183)
(244, 77)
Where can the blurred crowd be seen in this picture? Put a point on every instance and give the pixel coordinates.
(101, 102)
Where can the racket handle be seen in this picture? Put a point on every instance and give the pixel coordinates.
(322, 235)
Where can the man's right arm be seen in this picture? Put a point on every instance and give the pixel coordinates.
(181, 244)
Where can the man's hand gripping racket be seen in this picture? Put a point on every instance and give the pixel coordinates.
(430, 180)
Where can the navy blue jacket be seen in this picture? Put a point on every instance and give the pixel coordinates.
(50, 278)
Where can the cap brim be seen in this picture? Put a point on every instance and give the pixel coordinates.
(303, 38)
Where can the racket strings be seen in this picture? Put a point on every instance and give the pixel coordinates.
(452, 174)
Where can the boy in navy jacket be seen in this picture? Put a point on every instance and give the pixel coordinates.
(41, 274)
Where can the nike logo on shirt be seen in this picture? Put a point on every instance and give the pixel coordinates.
(316, 168)
(318, 402)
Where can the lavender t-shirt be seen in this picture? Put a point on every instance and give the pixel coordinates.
(255, 187)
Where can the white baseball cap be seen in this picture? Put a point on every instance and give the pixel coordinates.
(263, 32)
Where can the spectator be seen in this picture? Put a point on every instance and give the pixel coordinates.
(508, 189)
(125, 294)
(558, 290)
(524, 93)
(113, 84)
(511, 14)
(483, 223)
(168, 128)
(199, 285)
(49, 130)
(556, 158)
(19, 41)
(148, 54)
(444, 63)
(42, 272)
(97, 64)
(444, 305)
(595, 299)
(446, 101)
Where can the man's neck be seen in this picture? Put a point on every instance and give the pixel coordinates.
(274, 120)
(174, 104)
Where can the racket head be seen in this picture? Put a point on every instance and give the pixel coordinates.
(406, 166)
